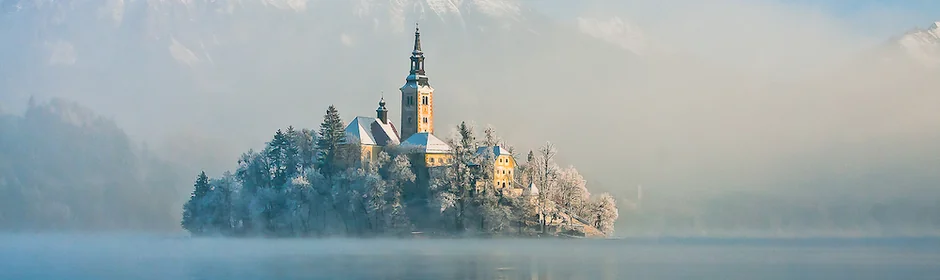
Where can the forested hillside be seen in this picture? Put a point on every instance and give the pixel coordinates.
(62, 167)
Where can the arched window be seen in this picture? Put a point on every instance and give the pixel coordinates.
(424, 100)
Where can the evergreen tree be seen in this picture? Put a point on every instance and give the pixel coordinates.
(489, 137)
(332, 136)
(202, 186)
(193, 210)
(278, 158)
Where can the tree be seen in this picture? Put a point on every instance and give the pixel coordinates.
(193, 210)
(332, 136)
(572, 191)
(545, 172)
(306, 143)
(454, 186)
(489, 137)
(399, 178)
(495, 214)
(605, 213)
(201, 187)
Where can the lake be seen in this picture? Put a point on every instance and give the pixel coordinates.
(73, 257)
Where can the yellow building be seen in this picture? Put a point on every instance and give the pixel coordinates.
(504, 168)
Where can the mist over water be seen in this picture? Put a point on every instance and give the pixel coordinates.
(136, 256)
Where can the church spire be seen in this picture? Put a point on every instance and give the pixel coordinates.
(417, 57)
(417, 95)
(382, 113)
(417, 49)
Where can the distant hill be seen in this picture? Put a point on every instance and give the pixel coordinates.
(62, 167)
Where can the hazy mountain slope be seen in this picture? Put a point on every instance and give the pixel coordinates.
(922, 45)
(62, 167)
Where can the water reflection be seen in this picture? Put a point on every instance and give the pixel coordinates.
(99, 257)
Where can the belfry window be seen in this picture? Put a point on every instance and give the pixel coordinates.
(424, 100)
(425, 120)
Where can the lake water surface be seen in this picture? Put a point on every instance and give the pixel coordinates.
(169, 257)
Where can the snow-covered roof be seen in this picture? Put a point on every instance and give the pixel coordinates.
(371, 131)
(532, 190)
(497, 150)
(426, 143)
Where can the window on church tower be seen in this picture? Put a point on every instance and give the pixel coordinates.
(424, 100)
(425, 120)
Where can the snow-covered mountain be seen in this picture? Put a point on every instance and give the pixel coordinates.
(617, 31)
(922, 45)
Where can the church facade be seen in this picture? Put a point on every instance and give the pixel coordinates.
(415, 134)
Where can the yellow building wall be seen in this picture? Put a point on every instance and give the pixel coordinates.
(435, 160)
(504, 171)
(370, 153)
(425, 111)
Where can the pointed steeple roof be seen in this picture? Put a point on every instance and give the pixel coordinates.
(417, 50)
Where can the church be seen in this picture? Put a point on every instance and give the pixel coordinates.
(416, 131)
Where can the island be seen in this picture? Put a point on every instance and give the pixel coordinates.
(371, 178)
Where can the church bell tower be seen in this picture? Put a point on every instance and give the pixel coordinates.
(417, 96)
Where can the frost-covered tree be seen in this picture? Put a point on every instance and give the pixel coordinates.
(605, 213)
(304, 141)
(572, 193)
(194, 210)
(221, 203)
(454, 186)
(494, 210)
(544, 172)
(490, 138)
(331, 138)
(400, 178)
